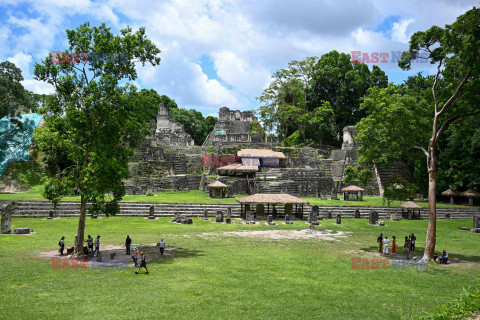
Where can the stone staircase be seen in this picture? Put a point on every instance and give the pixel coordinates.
(71, 209)
(179, 162)
(398, 169)
(327, 163)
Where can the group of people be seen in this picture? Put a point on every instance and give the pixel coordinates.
(383, 244)
(86, 250)
(139, 258)
(443, 258)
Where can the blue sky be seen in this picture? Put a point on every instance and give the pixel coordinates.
(222, 52)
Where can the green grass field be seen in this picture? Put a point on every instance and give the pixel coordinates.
(197, 196)
(211, 275)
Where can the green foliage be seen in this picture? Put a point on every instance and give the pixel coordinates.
(396, 189)
(395, 122)
(364, 176)
(14, 99)
(94, 121)
(311, 100)
(194, 122)
(256, 127)
(343, 84)
(463, 307)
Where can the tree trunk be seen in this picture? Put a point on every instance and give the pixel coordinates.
(432, 205)
(81, 226)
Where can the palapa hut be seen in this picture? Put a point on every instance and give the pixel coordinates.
(260, 157)
(236, 169)
(217, 189)
(470, 194)
(262, 199)
(356, 191)
(450, 193)
(410, 210)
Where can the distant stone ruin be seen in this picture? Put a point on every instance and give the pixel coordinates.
(168, 132)
(233, 128)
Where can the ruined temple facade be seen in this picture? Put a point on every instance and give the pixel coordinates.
(169, 160)
(165, 131)
(233, 128)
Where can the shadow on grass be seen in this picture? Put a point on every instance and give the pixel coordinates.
(175, 254)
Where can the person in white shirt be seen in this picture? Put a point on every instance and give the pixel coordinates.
(162, 246)
(143, 262)
(385, 245)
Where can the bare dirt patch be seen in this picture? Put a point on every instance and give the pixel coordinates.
(151, 251)
(320, 234)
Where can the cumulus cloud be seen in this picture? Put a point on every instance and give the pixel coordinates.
(399, 31)
(246, 40)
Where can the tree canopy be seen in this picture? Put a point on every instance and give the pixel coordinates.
(95, 119)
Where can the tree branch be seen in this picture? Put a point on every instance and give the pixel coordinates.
(435, 84)
(425, 153)
(457, 92)
(445, 125)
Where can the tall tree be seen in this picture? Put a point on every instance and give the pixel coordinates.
(95, 114)
(343, 83)
(287, 108)
(455, 51)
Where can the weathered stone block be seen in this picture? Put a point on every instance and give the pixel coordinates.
(21, 231)
(339, 219)
(357, 214)
(6, 226)
(219, 217)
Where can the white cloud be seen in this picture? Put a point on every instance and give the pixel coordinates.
(399, 31)
(247, 78)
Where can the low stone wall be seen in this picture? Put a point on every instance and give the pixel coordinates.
(70, 209)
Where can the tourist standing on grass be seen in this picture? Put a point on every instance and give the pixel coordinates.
(61, 243)
(135, 257)
(407, 247)
(143, 263)
(89, 242)
(394, 244)
(413, 239)
(97, 245)
(380, 242)
(75, 241)
(385, 245)
(162, 246)
(128, 242)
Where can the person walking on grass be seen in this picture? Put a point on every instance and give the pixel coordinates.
(385, 246)
(128, 242)
(394, 244)
(380, 242)
(407, 246)
(162, 246)
(89, 242)
(135, 257)
(97, 245)
(143, 263)
(61, 243)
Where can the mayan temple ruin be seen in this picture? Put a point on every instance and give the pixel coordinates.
(247, 163)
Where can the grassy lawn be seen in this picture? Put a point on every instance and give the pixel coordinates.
(197, 196)
(212, 275)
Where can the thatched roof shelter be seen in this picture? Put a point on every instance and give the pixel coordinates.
(410, 205)
(357, 191)
(412, 210)
(217, 189)
(470, 194)
(269, 198)
(260, 153)
(217, 184)
(259, 200)
(235, 167)
(352, 189)
(450, 193)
